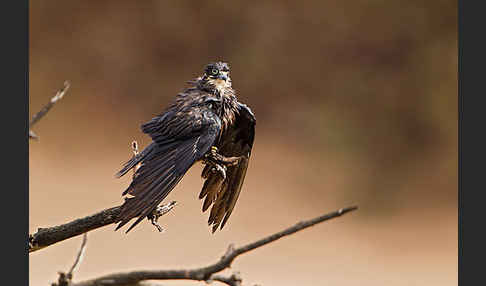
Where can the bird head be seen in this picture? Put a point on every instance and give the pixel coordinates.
(217, 75)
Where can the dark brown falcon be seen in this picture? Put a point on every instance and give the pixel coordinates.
(205, 123)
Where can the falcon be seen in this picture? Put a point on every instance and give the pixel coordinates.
(205, 123)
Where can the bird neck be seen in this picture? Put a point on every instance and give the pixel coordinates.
(218, 88)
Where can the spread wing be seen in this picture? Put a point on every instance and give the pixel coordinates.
(181, 137)
(223, 194)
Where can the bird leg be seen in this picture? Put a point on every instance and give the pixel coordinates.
(214, 156)
(219, 162)
(158, 212)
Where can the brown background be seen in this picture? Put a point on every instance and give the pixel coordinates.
(356, 103)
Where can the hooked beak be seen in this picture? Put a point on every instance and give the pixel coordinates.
(223, 77)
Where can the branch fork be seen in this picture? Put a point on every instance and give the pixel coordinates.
(208, 273)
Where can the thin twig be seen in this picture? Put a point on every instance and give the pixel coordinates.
(80, 255)
(135, 152)
(207, 273)
(65, 279)
(233, 280)
(59, 94)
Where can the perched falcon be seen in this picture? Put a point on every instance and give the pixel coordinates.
(205, 123)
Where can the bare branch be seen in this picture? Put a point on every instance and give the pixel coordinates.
(48, 236)
(60, 94)
(51, 235)
(65, 279)
(207, 273)
(299, 226)
(233, 280)
(80, 255)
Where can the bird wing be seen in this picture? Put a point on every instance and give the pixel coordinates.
(181, 137)
(223, 194)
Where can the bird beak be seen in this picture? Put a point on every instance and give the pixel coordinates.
(223, 77)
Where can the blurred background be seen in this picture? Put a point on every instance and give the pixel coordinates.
(356, 103)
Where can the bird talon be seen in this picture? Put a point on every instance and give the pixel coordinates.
(221, 169)
(235, 161)
(159, 228)
(158, 212)
(214, 158)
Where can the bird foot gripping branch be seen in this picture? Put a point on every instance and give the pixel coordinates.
(219, 162)
(158, 212)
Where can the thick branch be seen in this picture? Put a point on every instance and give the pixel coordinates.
(207, 273)
(51, 235)
(47, 236)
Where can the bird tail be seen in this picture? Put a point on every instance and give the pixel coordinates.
(135, 160)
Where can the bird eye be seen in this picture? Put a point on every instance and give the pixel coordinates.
(214, 71)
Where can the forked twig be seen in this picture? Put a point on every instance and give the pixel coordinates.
(207, 273)
(66, 279)
(233, 280)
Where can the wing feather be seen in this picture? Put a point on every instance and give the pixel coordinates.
(180, 139)
(237, 141)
